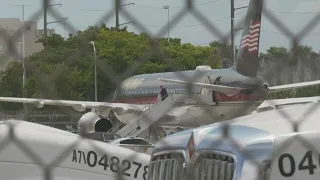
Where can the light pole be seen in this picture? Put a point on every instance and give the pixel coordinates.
(167, 7)
(117, 12)
(95, 71)
(45, 4)
(23, 46)
(19, 50)
(23, 61)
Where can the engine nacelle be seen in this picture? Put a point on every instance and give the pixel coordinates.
(265, 86)
(92, 122)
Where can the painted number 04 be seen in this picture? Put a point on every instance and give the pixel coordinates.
(288, 169)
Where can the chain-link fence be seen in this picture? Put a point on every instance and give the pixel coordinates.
(56, 153)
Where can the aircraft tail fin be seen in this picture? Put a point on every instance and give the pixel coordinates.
(247, 60)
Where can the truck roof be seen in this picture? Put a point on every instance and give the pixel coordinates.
(251, 128)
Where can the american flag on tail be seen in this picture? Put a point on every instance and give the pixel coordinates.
(251, 40)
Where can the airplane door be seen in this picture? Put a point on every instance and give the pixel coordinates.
(206, 94)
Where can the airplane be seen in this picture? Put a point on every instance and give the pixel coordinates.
(240, 92)
(29, 150)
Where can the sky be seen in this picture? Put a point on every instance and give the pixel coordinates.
(150, 14)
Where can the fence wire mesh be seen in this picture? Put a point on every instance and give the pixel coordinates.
(52, 160)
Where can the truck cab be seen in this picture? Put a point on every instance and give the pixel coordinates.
(264, 146)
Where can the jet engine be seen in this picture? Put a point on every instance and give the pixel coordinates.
(264, 83)
(92, 122)
(265, 86)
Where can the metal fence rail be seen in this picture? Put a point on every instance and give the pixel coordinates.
(310, 70)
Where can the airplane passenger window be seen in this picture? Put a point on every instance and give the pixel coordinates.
(134, 141)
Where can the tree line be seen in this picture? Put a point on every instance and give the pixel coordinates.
(64, 69)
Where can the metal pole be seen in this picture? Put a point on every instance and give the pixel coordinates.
(167, 7)
(95, 71)
(232, 30)
(45, 9)
(45, 6)
(118, 6)
(168, 23)
(117, 14)
(23, 51)
(19, 43)
(95, 75)
(24, 75)
(23, 67)
(23, 45)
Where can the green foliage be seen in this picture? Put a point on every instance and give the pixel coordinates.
(56, 71)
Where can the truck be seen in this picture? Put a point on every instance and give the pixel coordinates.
(273, 145)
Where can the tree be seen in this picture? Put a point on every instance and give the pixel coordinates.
(11, 84)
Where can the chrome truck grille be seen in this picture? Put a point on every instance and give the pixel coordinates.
(167, 167)
(214, 166)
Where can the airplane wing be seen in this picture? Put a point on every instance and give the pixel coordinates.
(103, 107)
(77, 105)
(281, 103)
(274, 89)
(219, 88)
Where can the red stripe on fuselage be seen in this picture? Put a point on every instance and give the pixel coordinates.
(219, 96)
(237, 97)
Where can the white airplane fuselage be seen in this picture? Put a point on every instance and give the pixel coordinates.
(195, 115)
(200, 109)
